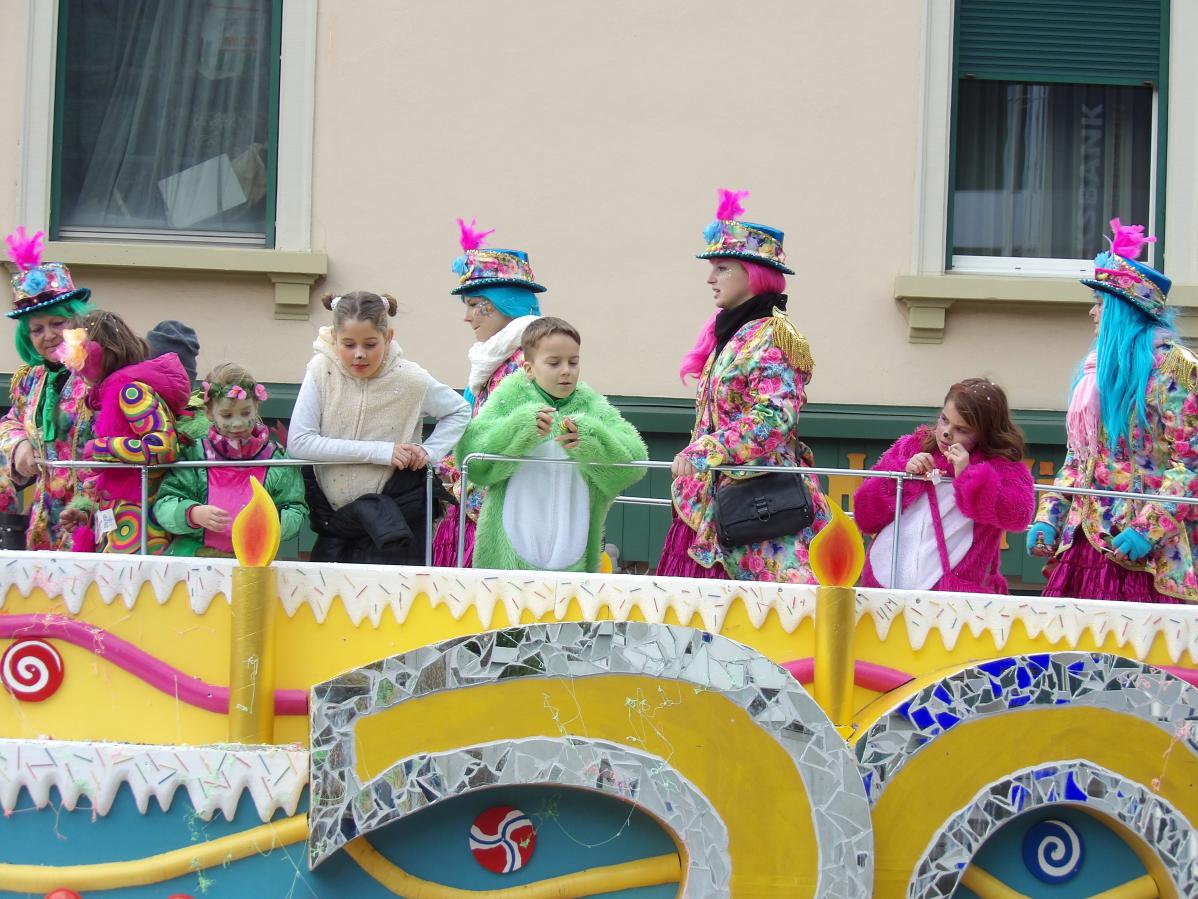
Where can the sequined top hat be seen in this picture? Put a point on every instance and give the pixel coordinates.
(729, 237)
(1117, 271)
(38, 284)
(480, 267)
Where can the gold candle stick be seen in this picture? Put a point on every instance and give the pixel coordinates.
(837, 557)
(251, 641)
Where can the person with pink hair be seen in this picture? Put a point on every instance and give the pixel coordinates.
(752, 368)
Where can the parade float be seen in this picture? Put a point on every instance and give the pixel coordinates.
(204, 727)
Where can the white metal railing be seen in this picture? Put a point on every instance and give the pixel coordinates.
(899, 476)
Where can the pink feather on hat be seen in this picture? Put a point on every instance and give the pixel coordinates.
(24, 250)
(730, 208)
(471, 238)
(1129, 240)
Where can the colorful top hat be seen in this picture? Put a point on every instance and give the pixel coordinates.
(38, 284)
(1117, 271)
(728, 237)
(480, 268)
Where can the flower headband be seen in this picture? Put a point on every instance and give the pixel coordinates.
(233, 392)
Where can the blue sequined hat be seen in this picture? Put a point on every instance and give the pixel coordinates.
(479, 267)
(38, 284)
(731, 238)
(1118, 272)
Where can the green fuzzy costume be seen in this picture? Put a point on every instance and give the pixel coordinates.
(184, 488)
(507, 425)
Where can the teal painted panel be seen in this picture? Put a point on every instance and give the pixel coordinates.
(1106, 861)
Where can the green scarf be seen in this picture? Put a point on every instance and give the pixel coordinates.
(555, 402)
(47, 410)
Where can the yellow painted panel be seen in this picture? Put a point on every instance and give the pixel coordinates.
(712, 742)
(921, 797)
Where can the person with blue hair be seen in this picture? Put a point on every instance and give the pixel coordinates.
(1132, 427)
(499, 293)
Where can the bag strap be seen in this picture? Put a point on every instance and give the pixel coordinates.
(938, 527)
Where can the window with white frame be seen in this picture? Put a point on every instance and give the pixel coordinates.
(1058, 124)
(166, 121)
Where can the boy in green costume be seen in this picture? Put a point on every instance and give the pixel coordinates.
(547, 516)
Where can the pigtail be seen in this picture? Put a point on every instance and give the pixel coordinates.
(392, 303)
(329, 301)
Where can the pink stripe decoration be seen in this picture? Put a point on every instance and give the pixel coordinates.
(155, 672)
(878, 678)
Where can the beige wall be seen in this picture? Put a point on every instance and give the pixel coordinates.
(594, 135)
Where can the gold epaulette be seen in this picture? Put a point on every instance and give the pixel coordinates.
(1182, 366)
(17, 377)
(792, 344)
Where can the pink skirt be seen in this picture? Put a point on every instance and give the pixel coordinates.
(1085, 573)
(675, 561)
(445, 541)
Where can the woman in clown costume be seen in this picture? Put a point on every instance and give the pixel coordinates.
(49, 417)
(499, 294)
(752, 368)
(1133, 427)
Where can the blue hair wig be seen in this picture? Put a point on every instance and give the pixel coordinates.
(513, 302)
(1124, 351)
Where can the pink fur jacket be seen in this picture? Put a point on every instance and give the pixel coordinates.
(996, 494)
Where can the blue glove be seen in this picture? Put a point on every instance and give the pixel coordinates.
(1041, 529)
(1132, 544)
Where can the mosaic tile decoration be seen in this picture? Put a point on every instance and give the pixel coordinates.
(1077, 782)
(1093, 680)
(634, 776)
(342, 808)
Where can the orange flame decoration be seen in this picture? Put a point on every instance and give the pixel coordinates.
(838, 552)
(256, 529)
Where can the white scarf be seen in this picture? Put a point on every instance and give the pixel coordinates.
(487, 355)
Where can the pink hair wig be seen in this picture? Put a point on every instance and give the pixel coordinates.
(762, 279)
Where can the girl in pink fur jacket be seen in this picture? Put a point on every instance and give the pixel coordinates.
(950, 532)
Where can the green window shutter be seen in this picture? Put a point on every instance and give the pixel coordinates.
(1061, 41)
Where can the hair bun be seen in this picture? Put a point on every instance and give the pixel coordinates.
(392, 303)
(327, 301)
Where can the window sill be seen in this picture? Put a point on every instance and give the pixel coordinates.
(929, 297)
(292, 273)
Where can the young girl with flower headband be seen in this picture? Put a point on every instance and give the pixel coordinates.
(499, 294)
(362, 401)
(752, 368)
(198, 504)
(135, 401)
(1132, 426)
(950, 534)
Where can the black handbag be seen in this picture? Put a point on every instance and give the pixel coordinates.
(762, 508)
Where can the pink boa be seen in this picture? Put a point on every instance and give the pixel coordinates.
(1081, 422)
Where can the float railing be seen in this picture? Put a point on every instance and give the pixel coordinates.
(899, 476)
(239, 463)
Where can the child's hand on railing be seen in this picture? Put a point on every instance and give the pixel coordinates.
(409, 455)
(921, 463)
(210, 518)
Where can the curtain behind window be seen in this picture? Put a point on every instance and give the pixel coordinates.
(165, 109)
(1041, 168)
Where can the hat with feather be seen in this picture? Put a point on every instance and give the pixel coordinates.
(730, 237)
(38, 284)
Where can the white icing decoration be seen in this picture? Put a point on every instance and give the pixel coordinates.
(68, 575)
(367, 592)
(215, 777)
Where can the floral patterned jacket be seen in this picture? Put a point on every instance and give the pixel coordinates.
(53, 488)
(749, 399)
(447, 468)
(1165, 461)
